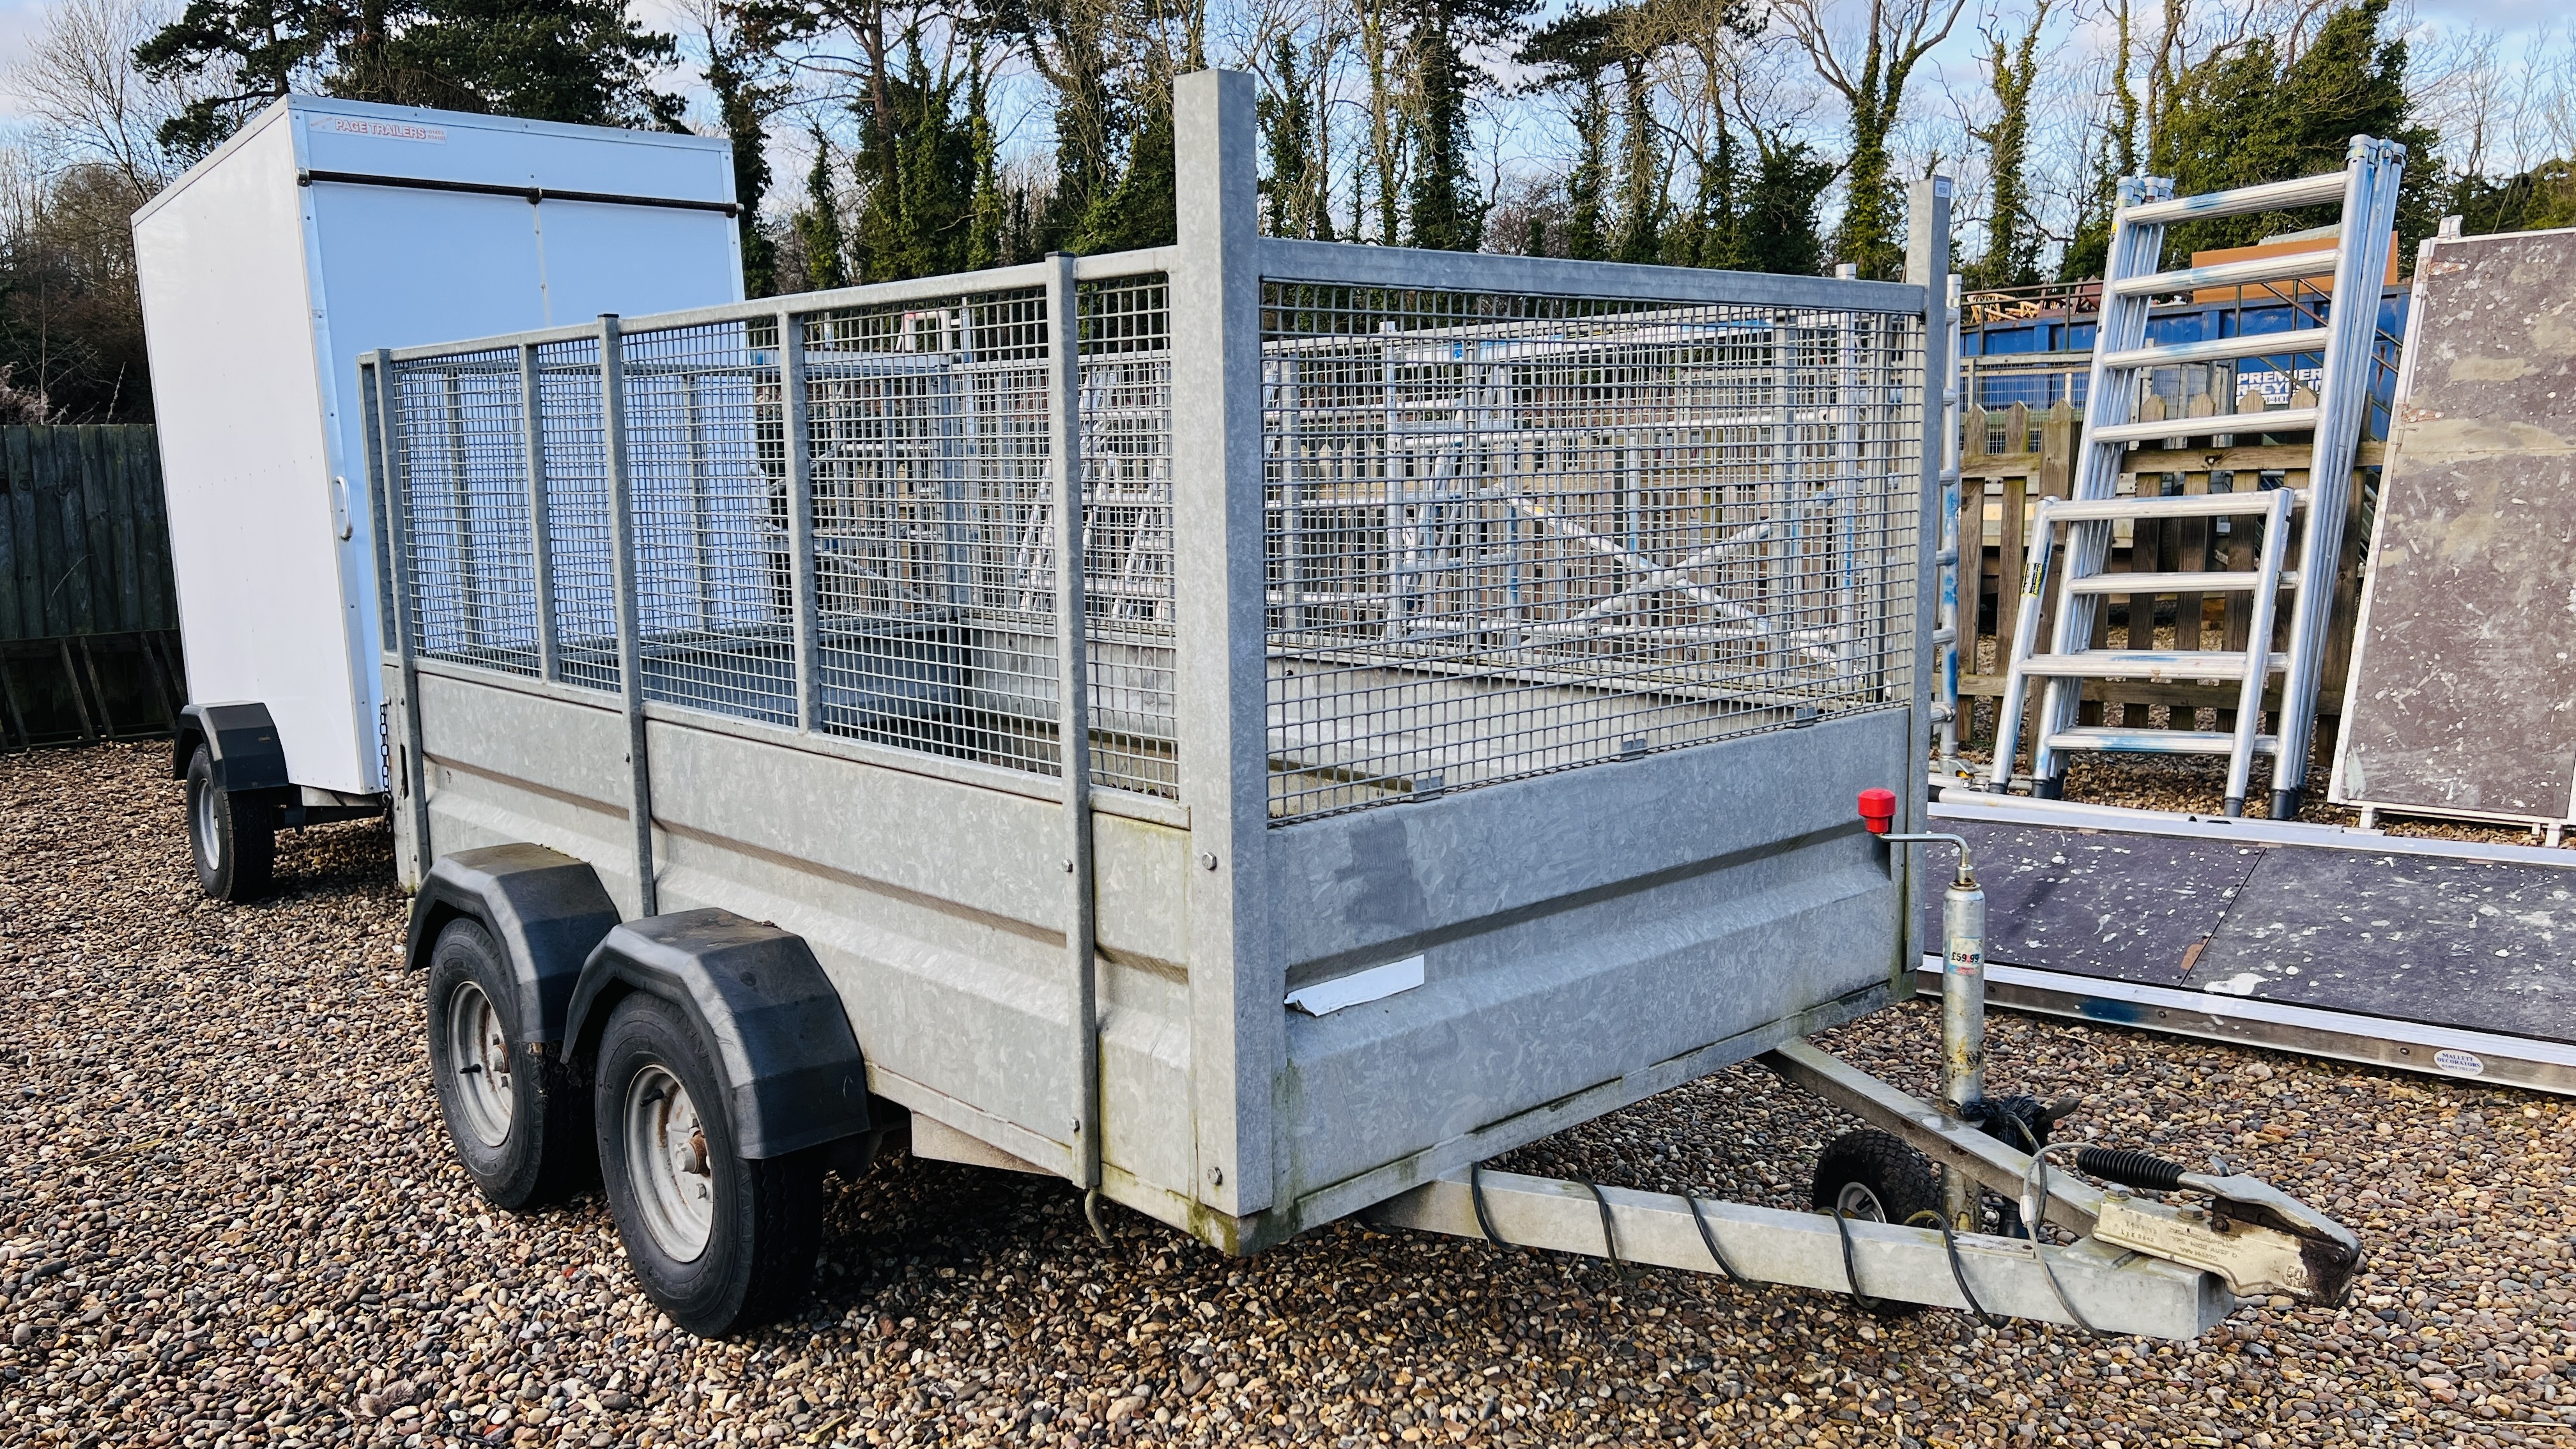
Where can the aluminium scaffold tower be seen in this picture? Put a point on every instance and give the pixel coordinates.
(2358, 257)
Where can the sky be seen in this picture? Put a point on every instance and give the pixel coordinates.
(21, 19)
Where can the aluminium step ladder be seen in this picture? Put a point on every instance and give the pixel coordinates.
(2358, 258)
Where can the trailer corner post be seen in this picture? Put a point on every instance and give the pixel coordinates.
(796, 419)
(1927, 265)
(1238, 1025)
(630, 641)
(384, 401)
(1073, 714)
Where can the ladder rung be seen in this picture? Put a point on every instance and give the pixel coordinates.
(2156, 742)
(2229, 274)
(2172, 505)
(2273, 196)
(2220, 349)
(2279, 420)
(2203, 583)
(2144, 664)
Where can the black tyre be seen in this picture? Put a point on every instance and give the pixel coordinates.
(519, 1125)
(1876, 1178)
(720, 1241)
(233, 839)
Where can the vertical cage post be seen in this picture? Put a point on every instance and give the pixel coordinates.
(1955, 547)
(630, 640)
(1073, 714)
(1927, 265)
(1237, 1027)
(541, 544)
(412, 776)
(796, 425)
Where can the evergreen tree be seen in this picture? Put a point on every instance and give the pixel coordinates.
(1778, 227)
(818, 225)
(916, 172)
(2012, 236)
(1445, 212)
(1292, 195)
(745, 100)
(987, 240)
(2247, 116)
(1641, 181)
(584, 61)
(1584, 238)
(1143, 209)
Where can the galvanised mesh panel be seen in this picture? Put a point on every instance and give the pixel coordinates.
(577, 521)
(1511, 534)
(464, 459)
(707, 473)
(927, 424)
(1126, 415)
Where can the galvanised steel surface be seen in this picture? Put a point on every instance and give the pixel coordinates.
(1538, 620)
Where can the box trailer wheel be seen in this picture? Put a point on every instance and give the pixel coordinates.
(517, 1120)
(721, 1241)
(232, 835)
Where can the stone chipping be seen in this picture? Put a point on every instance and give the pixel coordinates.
(228, 1217)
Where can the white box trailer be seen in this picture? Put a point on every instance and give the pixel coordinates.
(324, 227)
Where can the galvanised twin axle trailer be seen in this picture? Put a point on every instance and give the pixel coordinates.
(1478, 659)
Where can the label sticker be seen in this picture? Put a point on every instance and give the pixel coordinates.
(2452, 1059)
(381, 130)
(1965, 958)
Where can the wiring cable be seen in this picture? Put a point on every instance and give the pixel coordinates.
(2034, 1205)
(1709, 1238)
(1958, 1270)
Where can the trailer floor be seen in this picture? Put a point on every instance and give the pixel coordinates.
(2430, 955)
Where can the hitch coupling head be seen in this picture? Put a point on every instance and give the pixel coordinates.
(2258, 1238)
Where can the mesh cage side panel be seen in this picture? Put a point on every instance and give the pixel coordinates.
(462, 450)
(1507, 535)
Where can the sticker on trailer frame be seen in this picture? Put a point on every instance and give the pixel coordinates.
(381, 130)
(2467, 1064)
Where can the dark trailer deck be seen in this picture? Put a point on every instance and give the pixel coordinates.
(2439, 956)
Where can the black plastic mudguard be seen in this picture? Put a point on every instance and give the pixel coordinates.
(760, 1001)
(545, 909)
(241, 743)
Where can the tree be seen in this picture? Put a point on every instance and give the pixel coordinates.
(71, 316)
(1294, 202)
(1585, 238)
(583, 61)
(2249, 114)
(1641, 169)
(1446, 211)
(818, 225)
(2012, 236)
(747, 94)
(1895, 37)
(1778, 227)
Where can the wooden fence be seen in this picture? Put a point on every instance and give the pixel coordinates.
(89, 615)
(2011, 458)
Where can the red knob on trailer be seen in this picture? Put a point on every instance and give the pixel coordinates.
(1877, 810)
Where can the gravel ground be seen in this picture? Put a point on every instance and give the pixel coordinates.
(228, 1215)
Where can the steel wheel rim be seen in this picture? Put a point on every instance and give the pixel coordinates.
(209, 841)
(1857, 1201)
(667, 1165)
(478, 1052)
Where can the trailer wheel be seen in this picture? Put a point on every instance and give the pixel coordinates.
(513, 1114)
(1876, 1178)
(722, 1242)
(233, 840)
